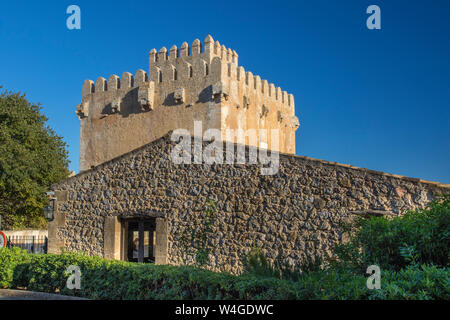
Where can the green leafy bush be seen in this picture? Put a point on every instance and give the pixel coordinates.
(418, 237)
(106, 279)
(9, 261)
(414, 283)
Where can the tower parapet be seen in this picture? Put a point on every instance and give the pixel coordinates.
(198, 82)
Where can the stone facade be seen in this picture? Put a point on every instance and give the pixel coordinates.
(202, 82)
(294, 213)
(128, 176)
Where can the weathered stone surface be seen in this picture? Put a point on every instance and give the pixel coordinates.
(117, 117)
(295, 212)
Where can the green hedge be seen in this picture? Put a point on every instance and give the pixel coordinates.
(9, 260)
(105, 279)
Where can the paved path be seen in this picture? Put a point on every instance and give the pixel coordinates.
(7, 294)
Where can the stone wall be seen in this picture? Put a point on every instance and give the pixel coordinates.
(295, 213)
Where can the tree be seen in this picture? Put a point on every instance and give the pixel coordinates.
(32, 157)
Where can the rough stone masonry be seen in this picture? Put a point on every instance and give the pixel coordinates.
(295, 213)
(127, 172)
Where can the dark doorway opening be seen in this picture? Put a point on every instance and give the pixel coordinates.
(141, 239)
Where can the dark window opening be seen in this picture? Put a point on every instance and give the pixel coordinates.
(141, 240)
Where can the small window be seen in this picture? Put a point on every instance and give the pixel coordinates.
(206, 69)
(175, 74)
(160, 76)
(191, 72)
(140, 246)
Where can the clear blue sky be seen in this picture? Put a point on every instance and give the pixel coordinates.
(378, 99)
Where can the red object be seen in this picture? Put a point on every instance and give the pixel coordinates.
(3, 237)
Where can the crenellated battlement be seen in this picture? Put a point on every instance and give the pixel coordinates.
(115, 83)
(202, 81)
(206, 51)
(197, 63)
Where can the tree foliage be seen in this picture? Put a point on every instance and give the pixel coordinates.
(32, 157)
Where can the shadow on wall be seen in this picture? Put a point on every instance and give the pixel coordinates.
(130, 105)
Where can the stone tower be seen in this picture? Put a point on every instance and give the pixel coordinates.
(198, 83)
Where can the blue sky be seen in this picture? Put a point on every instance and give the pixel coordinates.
(378, 99)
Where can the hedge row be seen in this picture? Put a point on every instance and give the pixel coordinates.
(105, 279)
